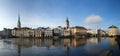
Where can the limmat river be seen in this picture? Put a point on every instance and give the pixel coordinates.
(102, 46)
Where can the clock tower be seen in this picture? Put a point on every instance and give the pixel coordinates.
(67, 23)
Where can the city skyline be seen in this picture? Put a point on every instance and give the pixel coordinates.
(53, 13)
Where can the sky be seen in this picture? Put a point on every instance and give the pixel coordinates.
(52, 13)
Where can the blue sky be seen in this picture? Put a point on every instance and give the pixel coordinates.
(52, 13)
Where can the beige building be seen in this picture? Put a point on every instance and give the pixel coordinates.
(78, 30)
(48, 32)
(22, 31)
(25, 31)
(16, 32)
(38, 32)
(67, 32)
(113, 31)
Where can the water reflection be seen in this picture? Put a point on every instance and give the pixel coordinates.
(100, 46)
(66, 42)
(118, 42)
(78, 42)
(26, 42)
(19, 50)
(112, 42)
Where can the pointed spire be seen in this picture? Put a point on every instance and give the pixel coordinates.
(67, 19)
(67, 23)
(18, 17)
(19, 23)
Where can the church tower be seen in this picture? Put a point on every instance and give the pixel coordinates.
(67, 23)
(18, 23)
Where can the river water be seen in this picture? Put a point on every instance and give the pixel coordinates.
(101, 46)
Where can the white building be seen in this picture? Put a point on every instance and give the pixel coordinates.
(67, 32)
(97, 32)
(39, 32)
(61, 30)
(48, 32)
(113, 31)
(56, 32)
(92, 31)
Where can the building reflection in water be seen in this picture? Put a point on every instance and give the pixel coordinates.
(118, 42)
(91, 45)
(67, 43)
(19, 50)
(112, 42)
(78, 42)
(48, 42)
(94, 40)
(68, 50)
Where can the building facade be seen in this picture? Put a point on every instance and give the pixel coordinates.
(48, 32)
(61, 30)
(23, 32)
(6, 33)
(78, 31)
(113, 31)
(67, 30)
(56, 32)
(28, 32)
(38, 33)
(97, 32)
(92, 31)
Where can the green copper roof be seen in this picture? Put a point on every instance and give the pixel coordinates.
(18, 18)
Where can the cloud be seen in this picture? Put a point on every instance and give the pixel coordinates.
(93, 19)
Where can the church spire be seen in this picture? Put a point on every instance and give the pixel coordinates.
(18, 23)
(67, 19)
(18, 17)
(67, 23)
